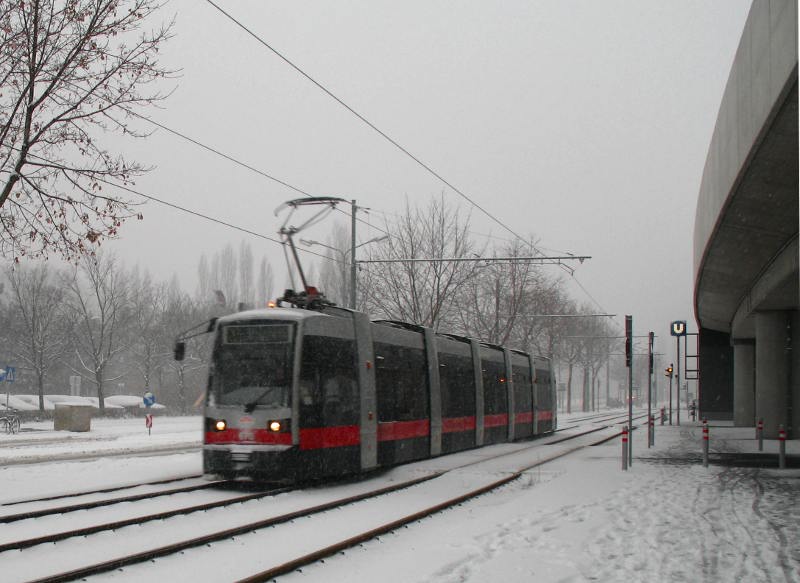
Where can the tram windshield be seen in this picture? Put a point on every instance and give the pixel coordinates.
(253, 365)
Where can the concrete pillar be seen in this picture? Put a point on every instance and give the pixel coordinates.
(744, 383)
(794, 429)
(772, 370)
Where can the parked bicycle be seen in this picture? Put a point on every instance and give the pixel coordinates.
(10, 422)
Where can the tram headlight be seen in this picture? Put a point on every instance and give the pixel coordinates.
(220, 425)
(275, 426)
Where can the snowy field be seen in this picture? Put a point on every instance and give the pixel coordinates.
(572, 520)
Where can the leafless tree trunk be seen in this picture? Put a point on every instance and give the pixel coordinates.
(265, 277)
(100, 312)
(497, 301)
(147, 305)
(40, 336)
(335, 272)
(70, 71)
(420, 292)
(246, 291)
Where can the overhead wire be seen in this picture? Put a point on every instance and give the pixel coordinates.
(392, 141)
(203, 215)
(239, 162)
(383, 134)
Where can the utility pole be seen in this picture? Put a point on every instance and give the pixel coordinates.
(353, 209)
(669, 374)
(650, 427)
(629, 364)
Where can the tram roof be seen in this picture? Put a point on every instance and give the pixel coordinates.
(270, 314)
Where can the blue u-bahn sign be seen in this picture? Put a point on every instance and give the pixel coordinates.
(678, 328)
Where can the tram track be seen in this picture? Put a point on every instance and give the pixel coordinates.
(100, 491)
(310, 512)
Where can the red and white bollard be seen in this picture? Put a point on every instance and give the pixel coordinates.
(781, 447)
(760, 434)
(148, 422)
(705, 443)
(625, 447)
(652, 430)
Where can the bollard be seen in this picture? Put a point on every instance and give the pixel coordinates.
(760, 434)
(781, 447)
(705, 443)
(663, 415)
(625, 447)
(652, 429)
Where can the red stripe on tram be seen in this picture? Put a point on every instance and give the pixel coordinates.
(495, 420)
(456, 424)
(253, 436)
(394, 430)
(545, 416)
(524, 417)
(322, 437)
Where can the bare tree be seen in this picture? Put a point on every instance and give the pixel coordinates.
(204, 289)
(498, 302)
(265, 277)
(147, 308)
(224, 271)
(421, 292)
(100, 312)
(334, 278)
(39, 328)
(70, 71)
(246, 291)
(180, 314)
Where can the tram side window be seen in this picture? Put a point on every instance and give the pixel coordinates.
(495, 393)
(544, 391)
(328, 385)
(522, 388)
(457, 382)
(401, 382)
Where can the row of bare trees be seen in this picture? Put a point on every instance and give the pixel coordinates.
(499, 300)
(107, 325)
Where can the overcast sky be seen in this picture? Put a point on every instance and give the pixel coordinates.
(583, 123)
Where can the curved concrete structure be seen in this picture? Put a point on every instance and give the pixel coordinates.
(746, 231)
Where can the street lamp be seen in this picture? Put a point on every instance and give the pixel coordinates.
(344, 254)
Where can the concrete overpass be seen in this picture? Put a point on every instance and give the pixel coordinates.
(746, 234)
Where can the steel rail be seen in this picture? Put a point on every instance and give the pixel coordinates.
(315, 556)
(224, 534)
(266, 523)
(50, 538)
(107, 502)
(101, 491)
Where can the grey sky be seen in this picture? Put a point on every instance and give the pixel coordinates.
(585, 123)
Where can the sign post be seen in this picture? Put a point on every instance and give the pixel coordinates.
(149, 400)
(650, 425)
(678, 329)
(629, 364)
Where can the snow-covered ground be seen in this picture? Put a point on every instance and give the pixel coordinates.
(577, 519)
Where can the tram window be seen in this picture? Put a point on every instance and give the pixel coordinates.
(401, 382)
(328, 385)
(495, 390)
(522, 388)
(457, 381)
(543, 390)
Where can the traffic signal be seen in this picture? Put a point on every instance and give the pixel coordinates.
(668, 371)
(628, 340)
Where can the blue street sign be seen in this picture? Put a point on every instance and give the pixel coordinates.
(678, 328)
(9, 374)
(149, 399)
